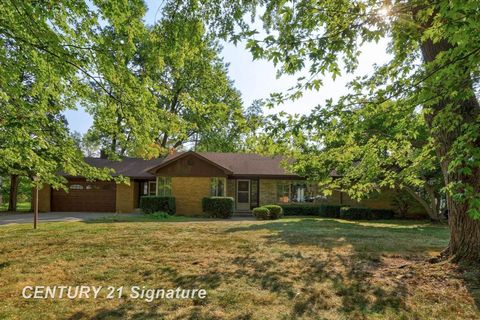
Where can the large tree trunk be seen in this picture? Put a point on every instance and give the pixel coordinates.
(12, 201)
(464, 231)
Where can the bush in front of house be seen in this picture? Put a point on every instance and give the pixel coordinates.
(329, 211)
(353, 213)
(321, 210)
(151, 204)
(275, 212)
(383, 214)
(300, 210)
(261, 213)
(218, 207)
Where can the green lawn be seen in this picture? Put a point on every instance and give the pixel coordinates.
(21, 207)
(294, 268)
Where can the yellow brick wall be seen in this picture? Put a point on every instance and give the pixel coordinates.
(44, 199)
(268, 191)
(231, 188)
(188, 193)
(125, 196)
(383, 200)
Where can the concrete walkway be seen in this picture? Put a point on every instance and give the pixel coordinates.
(9, 218)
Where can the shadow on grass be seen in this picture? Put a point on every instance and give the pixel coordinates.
(352, 253)
(124, 311)
(320, 265)
(471, 276)
(375, 237)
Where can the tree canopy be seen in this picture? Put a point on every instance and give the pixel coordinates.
(188, 95)
(43, 57)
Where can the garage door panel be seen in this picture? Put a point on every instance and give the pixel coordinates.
(85, 196)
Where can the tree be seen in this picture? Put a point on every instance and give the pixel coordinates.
(434, 68)
(89, 146)
(370, 148)
(190, 97)
(45, 56)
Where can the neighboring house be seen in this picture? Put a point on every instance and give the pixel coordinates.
(251, 179)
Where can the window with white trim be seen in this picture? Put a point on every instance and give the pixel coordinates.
(152, 188)
(164, 185)
(283, 191)
(217, 187)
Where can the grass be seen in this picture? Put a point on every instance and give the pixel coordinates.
(21, 207)
(293, 268)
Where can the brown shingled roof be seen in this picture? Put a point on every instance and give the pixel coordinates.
(237, 164)
(241, 164)
(128, 167)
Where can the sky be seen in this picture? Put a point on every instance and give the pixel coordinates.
(257, 79)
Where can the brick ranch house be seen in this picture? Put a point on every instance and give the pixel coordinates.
(251, 179)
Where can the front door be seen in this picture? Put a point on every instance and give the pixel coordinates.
(243, 195)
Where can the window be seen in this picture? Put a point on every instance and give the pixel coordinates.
(283, 191)
(144, 188)
(217, 187)
(164, 186)
(92, 187)
(152, 188)
(298, 191)
(76, 187)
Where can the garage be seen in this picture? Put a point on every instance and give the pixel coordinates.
(85, 196)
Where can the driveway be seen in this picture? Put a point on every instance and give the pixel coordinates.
(9, 218)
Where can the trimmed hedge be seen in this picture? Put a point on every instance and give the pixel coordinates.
(322, 210)
(366, 214)
(383, 214)
(218, 207)
(300, 210)
(268, 212)
(276, 212)
(261, 213)
(151, 204)
(329, 211)
(356, 213)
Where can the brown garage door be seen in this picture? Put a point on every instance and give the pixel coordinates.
(85, 196)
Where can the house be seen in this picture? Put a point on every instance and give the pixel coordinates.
(251, 179)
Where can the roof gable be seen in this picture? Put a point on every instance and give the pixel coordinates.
(189, 164)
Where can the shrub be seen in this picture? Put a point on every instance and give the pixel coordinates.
(218, 207)
(356, 213)
(261, 213)
(383, 213)
(329, 211)
(275, 211)
(151, 204)
(300, 210)
(322, 210)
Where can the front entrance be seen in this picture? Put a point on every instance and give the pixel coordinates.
(243, 195)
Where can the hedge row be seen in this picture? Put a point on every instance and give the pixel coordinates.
(268, 212)
(336, 211)
(365, 213)
(321, 210)
(218, 207)
(151, 204)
